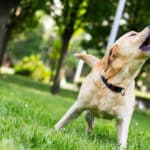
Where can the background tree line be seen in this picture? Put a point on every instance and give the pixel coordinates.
(77, 25)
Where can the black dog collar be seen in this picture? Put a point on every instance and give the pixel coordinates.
(112, 87)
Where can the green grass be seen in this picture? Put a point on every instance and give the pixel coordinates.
(28, 113)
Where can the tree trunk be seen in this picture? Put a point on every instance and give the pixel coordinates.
(66, 36)
(4, 45)
(7, 8)
(56, 83)
(4, 16)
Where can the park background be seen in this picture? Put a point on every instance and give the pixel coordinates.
(37, 76)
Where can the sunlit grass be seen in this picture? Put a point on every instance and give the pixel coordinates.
(28, 113)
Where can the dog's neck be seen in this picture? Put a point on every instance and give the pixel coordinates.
(121, 71)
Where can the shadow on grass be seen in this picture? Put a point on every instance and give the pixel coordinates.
(27, 82)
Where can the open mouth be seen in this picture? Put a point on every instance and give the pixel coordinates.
(146, 44)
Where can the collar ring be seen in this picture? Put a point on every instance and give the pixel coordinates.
(123, 92)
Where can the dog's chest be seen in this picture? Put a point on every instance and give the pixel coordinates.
(103, 102)
(107, 104)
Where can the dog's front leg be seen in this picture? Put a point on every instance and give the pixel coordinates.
(123, 127)
(71, 114)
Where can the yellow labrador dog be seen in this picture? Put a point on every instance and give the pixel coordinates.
(108, 91)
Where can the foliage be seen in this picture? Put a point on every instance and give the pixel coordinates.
(16, 16)
(136, 16)
(86, 18)
(24, 17)
(33, 67)
(99, 17)
(28, 113)
(68, 15)
(27, 43)
(30, 41)
(66, 21)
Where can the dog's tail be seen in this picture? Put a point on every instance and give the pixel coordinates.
(89, 59)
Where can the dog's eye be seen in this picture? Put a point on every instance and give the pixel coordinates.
(133, 34)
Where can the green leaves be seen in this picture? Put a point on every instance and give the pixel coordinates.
(33, 67)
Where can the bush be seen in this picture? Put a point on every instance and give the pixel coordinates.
(33, 67)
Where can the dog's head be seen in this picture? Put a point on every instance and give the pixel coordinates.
(134, 44)
(128, 53)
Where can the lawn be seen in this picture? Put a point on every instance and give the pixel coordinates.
(28, 113)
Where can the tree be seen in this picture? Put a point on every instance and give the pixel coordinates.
(99, 18)
(15, 17)
(136, 16)
(75, 14)
(7, 8)
(67, 23)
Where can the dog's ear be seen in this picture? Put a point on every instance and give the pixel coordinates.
(109, 57)
(112, 55)
(89, 59)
